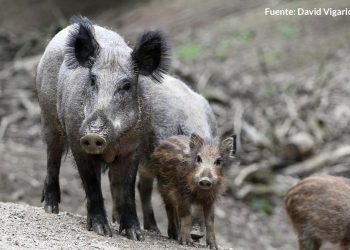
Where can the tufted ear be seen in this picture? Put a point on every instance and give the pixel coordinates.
(151, 55)
(196, 142)
(82, 47)
(228, 147)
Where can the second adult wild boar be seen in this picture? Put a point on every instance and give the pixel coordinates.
(98, 98)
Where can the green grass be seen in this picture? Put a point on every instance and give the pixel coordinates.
(287, 31)
(262, 204)
(245, 36)
(273, 59)
(227, 44)
(189, 52)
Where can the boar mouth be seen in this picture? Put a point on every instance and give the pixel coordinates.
(204, 188)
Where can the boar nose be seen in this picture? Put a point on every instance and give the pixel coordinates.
(205, 183)
(93, 143)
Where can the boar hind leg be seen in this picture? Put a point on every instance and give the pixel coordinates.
(210, 227)
(173, 226)
(51, 194)
(115, 183)
(308, 242)
(145, 187)
(90, 174)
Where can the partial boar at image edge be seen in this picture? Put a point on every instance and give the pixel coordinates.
(318, 207)
(98, 97)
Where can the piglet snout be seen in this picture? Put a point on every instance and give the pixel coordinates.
(205, 183)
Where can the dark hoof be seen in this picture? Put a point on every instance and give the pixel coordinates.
(134, 234)
(172, 233)
(196, 234)
(51, 209)
(99, 225)
(51, 197)
(115, 215)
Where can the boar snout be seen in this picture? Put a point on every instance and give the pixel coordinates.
(205, 183)
(93, 143)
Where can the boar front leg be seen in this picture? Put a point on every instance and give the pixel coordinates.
(90, 173)
(51, 193)
(197, 231)
(172, 219)
(210, 227)
(127, 171)
(184, 213)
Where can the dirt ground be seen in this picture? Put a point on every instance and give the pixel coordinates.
(284, 75)
(26, 227)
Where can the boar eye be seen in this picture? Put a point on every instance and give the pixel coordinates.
(93, 79)
(126, 86)
(198, 159)
(218, 162)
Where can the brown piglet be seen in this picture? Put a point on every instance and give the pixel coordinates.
(319, 208)
(190, 171)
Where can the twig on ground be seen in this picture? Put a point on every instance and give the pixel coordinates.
(203, 80)
(33, 110)
(8, 120)
(244, 173)
(256, 137)
(237, 123)
(318, 161)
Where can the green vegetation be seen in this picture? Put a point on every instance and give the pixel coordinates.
(287, 31)
(273, 59)
(245, 36)
(228, 43)
(262, 204)
(189, 52)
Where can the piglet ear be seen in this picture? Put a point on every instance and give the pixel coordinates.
(196, 142)
(228, 147)
(82, 47)
(151, 55)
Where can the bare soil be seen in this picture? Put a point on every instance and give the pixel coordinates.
(26, 227)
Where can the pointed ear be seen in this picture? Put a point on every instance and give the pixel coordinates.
(151, 55)
(228, 147)
(82, 47)
(196, 142)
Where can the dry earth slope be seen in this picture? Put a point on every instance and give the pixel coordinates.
(27, 227)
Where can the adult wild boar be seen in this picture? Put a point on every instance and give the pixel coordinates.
(98, 98)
